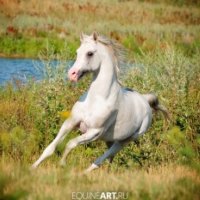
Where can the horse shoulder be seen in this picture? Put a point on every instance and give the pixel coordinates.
(78, 108)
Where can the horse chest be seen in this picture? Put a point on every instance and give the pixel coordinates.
(95, 115)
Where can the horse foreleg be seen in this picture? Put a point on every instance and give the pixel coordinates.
(90, 135)
(67, 126)
(115, 148)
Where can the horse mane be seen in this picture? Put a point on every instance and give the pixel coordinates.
(119, 52)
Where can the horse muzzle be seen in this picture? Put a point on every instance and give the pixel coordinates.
(74, 74)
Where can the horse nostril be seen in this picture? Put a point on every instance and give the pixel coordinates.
(73, 73)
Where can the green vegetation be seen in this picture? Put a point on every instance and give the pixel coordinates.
(30, 47)
(162, 38)
(163, 165)
(139, 26)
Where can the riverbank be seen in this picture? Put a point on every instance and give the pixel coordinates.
(25, 47)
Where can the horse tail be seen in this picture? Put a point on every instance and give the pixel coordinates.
(154, 103)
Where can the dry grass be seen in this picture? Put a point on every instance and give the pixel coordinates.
(137, 25)
(52, 182)
(108, 17)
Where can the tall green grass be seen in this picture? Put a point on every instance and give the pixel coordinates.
(163, 51)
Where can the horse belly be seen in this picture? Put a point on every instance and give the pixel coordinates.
(119, 131)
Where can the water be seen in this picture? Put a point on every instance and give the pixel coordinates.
(25, 69)
(22, 69)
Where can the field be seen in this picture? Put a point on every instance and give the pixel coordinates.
(26, 27)
(162, 39)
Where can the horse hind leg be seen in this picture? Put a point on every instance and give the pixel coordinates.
(89, 136)
(114, 149)
(143, 128)
(109, 144)
(118, 145)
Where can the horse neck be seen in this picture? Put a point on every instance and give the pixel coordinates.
(105, 82)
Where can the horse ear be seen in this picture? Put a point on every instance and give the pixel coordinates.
(82, 36)
(95, 35)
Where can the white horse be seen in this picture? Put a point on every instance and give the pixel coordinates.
(107, 111)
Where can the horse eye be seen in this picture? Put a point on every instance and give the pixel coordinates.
(90, 54)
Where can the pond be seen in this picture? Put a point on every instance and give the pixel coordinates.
(23, 69)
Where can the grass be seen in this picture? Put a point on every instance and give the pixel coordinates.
(162, 39)
(51, 182)
(137, 25)
(163, 165)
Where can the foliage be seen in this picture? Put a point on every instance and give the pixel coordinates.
(29, 47)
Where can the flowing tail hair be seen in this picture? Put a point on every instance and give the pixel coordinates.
(154, 103)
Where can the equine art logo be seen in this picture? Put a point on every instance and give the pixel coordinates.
(99, 195)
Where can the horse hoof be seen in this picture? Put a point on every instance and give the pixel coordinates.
(32, 168)
(89, 169)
